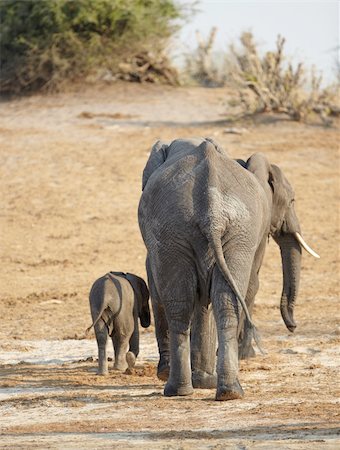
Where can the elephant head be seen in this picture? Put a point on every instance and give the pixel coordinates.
(142, 294)
(284, 228)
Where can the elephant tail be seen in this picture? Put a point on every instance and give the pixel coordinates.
(98, 297)
(93, 324)
(96, 320)
(222, 265)
(107, 316)
(105, 313)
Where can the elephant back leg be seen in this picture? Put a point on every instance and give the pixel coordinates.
(177, 287)
(226, 312)
(203, 348)
(101, 337)
(121, 347)
(161, 328)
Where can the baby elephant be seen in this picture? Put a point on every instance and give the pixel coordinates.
(117, 300)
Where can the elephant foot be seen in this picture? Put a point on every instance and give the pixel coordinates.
(172, 391)
(232, 391)
(121, 367)
(163, 370)
(246, 352)
(102, 372)
(203, 380)
(130, 359)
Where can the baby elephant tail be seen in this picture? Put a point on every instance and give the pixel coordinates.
(87, 331)
(103, 306)
(93, 324)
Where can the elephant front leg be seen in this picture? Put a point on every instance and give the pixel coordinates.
(133, 347)
(245, 334)
(203, 348)
(101, 337)
(245, 347)
(225, 308)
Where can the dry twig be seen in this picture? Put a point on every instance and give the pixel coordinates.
(277, 87)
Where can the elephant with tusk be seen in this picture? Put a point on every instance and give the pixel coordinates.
(205, 220)
(284, 228)
(117, 300)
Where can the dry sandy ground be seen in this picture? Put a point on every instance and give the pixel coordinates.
(70, 183)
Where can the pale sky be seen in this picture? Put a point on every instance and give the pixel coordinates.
(311, 28)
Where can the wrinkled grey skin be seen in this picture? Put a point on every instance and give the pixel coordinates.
(283, 223)
(117, 300)
(205, 219)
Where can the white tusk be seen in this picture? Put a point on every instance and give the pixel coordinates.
(301, 241)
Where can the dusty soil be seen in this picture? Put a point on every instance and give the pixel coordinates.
(70, 183)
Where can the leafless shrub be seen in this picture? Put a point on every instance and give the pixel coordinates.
(268, 84)
(201, 64)
(337, 64)
(148, 67)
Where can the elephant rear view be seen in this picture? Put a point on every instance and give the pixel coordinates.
(117, 300)
(205, 220)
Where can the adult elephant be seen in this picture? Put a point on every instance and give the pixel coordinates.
(205, 220)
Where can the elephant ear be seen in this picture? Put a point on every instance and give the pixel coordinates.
(272, 180)
(142, 296)
(157, 157)
(259, 165)
(283, 195)
(241, 162)
(270, 175)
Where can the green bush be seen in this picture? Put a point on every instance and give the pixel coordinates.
(44, 43)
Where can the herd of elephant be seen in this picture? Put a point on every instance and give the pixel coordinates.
(205, 219)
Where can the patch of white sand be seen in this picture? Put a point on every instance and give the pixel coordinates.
(70, 350)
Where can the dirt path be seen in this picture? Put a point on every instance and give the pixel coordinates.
(70, 182)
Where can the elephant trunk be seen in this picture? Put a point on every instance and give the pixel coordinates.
(291, 265)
